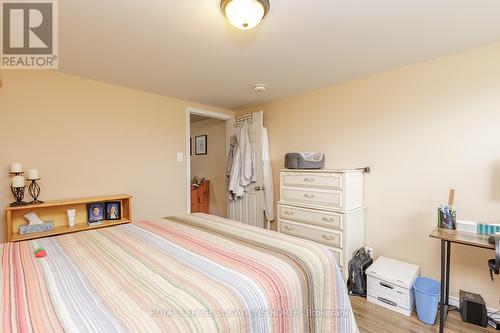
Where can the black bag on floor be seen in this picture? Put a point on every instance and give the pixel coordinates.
(356, 283)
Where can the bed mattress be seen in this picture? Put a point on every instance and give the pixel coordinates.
(191, 273)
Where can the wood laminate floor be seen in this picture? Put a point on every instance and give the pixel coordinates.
(372, 318)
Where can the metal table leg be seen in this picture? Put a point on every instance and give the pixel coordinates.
(443, 281)
(447, 295)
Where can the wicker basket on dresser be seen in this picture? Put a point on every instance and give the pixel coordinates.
(325, 206)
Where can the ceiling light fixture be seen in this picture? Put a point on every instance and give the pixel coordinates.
(245, 14)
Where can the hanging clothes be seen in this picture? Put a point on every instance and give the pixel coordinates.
(268, 177)
(233, 148)
(243, 171)
(248, 171)
(234, 188)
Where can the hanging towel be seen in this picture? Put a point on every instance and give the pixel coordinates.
(233, 148)
(268, 177)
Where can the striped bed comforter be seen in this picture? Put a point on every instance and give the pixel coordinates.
(192, 273)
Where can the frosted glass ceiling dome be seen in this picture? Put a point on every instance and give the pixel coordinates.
(245, 14)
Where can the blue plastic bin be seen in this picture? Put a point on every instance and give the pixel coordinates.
(427, 293)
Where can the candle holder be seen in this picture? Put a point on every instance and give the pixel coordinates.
(16, 173)
(34, 191)
(18, 193)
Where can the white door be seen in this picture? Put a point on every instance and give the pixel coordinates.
(250, 208)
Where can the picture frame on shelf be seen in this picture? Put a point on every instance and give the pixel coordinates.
(113, 210)
(95, 212)
(201, 145)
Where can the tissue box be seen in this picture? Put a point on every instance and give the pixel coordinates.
(31, 229)
(467, 226)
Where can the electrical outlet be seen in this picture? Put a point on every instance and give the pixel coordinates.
(180, 157)
(370, 251)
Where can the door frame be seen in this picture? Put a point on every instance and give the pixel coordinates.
(200, 112)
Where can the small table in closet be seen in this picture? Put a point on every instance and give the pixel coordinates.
(200, 198)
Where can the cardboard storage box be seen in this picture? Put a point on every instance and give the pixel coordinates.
(390, 284)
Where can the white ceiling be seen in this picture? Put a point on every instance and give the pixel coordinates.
(186, 49)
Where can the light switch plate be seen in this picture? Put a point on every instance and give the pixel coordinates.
(179, 157)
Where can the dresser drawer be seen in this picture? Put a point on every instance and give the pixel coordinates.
(338, 254)
(401, 297)
(310, 216)
(312, 180)
(317, 234)
(322, 198)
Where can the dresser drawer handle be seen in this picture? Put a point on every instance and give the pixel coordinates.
(289, 213)
(386, 285)
(287, 227)
(386, 301)
(328, 238)
(309, 180)
(309, 196)
(326, 219)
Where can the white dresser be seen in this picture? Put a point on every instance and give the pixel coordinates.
(325, 206)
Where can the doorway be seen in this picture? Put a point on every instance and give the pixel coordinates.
(206, 162)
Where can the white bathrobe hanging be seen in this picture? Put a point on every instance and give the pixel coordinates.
(235, 189)
(248, 171)
(268, 177)
(243, 171)
(233, 148)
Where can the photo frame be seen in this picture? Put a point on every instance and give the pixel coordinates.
(113, 210)
(201, 145)
(191, 146)
(95, 211)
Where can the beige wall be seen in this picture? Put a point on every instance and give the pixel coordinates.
(422, 129)
(90, 138)
(212, 165)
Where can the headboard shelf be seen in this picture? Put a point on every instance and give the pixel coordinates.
(75, 201)
(56, 211)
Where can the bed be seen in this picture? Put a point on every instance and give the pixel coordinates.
(190, 273)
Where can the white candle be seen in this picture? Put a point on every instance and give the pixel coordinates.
(33, 174)
(16, 167)
(17, 181)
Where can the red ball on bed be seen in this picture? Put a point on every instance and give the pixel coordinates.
(40, 253)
